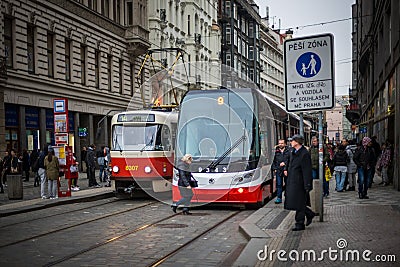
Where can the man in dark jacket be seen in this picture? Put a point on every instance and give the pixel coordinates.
(299, 183)
(281, 159)
(365, 159)
(91, 164)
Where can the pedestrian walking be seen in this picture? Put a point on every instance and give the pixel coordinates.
(351, 166)
(340, 161)
(377, 150)
(299, 183)
(35, 167)
(26, 164)
(42, 171)
(91, 165)
(365, 160)
(185, 188)
(314, 152)
(101, 160)
(6, 167)
(385, 160)
(281, 159)
(83, 161)
(1, 175)
(52, 172)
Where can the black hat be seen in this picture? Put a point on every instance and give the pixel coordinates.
(298, 138)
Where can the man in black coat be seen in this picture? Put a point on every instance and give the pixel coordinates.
(299, 183)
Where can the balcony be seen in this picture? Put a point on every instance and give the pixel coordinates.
(138, 40)
(353, 112)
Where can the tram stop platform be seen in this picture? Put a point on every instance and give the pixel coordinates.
(32, 200)
(369, 228)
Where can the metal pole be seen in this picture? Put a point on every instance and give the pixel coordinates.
(301, 124)
(321, 168)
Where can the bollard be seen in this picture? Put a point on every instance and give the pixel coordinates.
(14, 185)
(314, 196)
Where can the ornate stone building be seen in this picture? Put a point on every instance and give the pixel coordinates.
(87, 51)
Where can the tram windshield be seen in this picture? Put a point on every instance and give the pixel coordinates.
(149, 137)
(219, 128)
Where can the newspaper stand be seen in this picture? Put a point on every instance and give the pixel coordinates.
(69, 161)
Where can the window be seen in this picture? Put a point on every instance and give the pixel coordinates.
(228, 34)
(129, 14)
(31, 48)
(251, 52)
(8, 42)
(228, 59)
(96, 68)
(83, 64)
(50, 54)
(90, 4)
(188, 25)
(109, 67)
(121, 76)
(118, 18)
(251, 30)
(68, 60)
(228, 8)
(132, 71)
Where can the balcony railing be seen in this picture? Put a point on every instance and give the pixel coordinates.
(138, 40)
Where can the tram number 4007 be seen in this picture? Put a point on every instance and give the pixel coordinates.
(223, 169)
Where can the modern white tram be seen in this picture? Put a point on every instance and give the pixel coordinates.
(231, 134)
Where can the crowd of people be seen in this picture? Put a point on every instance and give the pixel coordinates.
(44, 167)
(351, 163)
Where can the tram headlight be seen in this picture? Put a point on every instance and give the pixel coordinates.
(240, 190)
(115, 169)
(147, 169)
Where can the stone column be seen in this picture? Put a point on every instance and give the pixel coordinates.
(3, 145)
(42, 128)
(91, 131)
(22, 128)
(77, 143)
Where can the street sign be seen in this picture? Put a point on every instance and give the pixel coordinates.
(309, 73)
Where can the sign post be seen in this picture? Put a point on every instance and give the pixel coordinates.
(309, 82)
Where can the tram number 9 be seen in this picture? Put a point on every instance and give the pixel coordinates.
(220, 100)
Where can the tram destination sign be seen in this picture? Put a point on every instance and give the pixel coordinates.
(309, 73)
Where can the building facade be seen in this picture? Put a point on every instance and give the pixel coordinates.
(374, 106)
(240, 48)
(189, 25)
(86, 51)
(271, 58)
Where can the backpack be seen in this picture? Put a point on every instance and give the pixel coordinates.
(35, 165)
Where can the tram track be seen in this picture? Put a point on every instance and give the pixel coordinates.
(60, 213)
(77, 224)
(142, 228)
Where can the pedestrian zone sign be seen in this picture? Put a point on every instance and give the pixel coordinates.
(309, 73)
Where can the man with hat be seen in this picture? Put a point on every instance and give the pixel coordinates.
(299, 183)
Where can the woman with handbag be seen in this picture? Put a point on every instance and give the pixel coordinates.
(52, 172)
(184, 184)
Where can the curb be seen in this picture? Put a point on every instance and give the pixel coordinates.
(58, 202)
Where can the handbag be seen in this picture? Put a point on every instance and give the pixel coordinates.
(328, 174)
(193, 182)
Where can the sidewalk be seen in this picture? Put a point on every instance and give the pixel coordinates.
(349, 224)
(32, 200)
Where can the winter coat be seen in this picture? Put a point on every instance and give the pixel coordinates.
(385, 158)
(314, 152)
(52, 168)
(184, 174)
(90, 158)
(299, 181)
(351, 166)
(341, 158)
(365, 157)
(279, 158)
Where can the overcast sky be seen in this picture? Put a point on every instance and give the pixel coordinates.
(296, 13)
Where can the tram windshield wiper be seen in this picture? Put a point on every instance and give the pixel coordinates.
(216, 162)
(149, 143)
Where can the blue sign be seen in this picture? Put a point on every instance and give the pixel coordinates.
(11, 115)
(59, 106)
(308, 65)
(32, 118)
